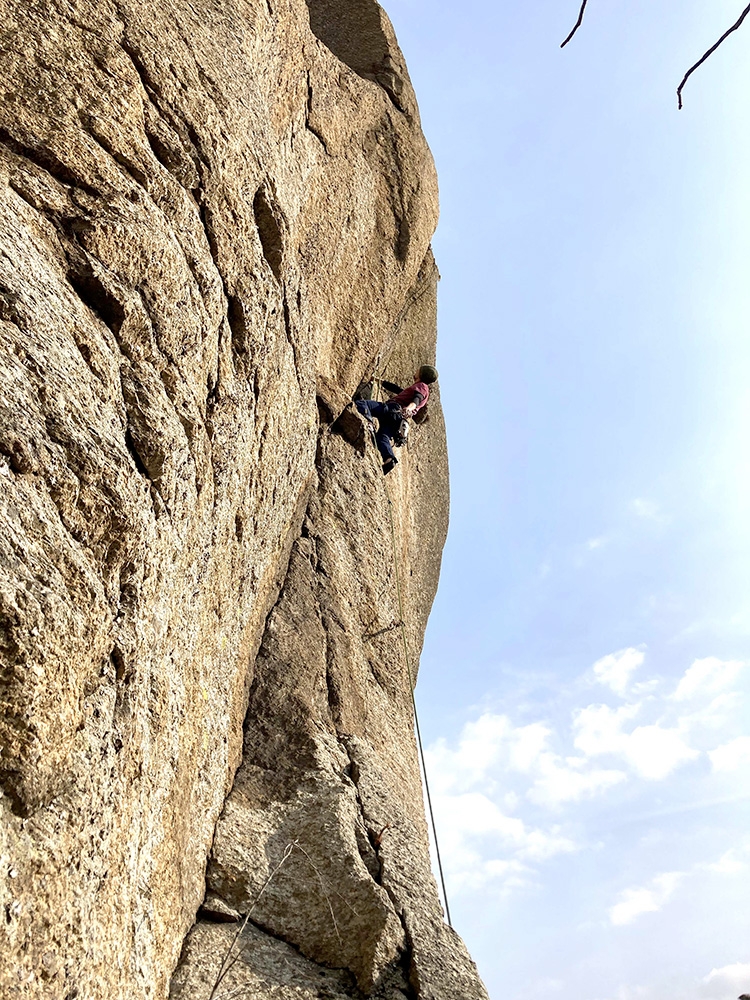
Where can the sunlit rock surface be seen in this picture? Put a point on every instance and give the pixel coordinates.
(215, 222)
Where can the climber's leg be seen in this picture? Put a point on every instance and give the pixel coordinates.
(370, 408)
(385, 445)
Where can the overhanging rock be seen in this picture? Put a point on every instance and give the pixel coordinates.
(215, 222)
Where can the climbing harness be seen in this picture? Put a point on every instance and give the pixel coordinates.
(400, 425)
(402, 623)
(402, 433)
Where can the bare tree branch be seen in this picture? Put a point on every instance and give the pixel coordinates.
(703, 58)
(229, 960)
(709, 52)
(577, 25)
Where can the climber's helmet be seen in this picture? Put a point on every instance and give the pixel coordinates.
(428, 374)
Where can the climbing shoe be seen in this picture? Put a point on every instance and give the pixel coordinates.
(389, 465)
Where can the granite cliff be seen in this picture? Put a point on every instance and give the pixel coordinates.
(215, 222)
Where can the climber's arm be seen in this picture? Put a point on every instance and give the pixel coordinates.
(391, 387)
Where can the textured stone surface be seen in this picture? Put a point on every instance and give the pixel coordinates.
(214, 223)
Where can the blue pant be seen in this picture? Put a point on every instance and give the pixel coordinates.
(388, 424)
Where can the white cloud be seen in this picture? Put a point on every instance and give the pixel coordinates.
(505, 868)
(645, 687)
(511, 801)
(653, 751)
(616, 669)
(479, 815)
(482, 745)
(708, 676)
(598, 728)
(729, 863)
(473, 800)
(570, 780)
(478, 874)
(715, 714)
(734, 977)
(634, 993)
(645, 508)
(633, 903)
(473, 826)
(656, 752)
(543, 987)
(731, 756)
(652, 897)
(487, 782)
(492, 745)
(682, 988)
(528, 744)
(596, 543)
(484, 845)
(737, 973)
(540, 845)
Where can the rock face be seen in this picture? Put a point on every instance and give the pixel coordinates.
(215, 222)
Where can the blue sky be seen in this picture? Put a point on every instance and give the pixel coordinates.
(585, 681)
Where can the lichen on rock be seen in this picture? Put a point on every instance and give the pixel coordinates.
(215, 222)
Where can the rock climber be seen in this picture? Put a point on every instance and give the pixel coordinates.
(402, 406)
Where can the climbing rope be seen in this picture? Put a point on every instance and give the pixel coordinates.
(414, 704)
(377, 380)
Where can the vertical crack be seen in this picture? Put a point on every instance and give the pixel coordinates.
(269, 232)
(371, 857)
(308, 112)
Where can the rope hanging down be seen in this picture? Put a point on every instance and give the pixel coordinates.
(414, 705)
